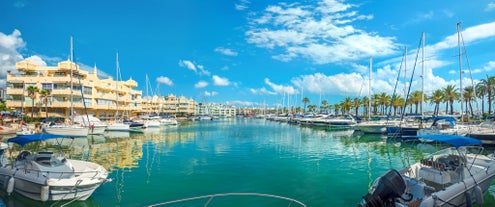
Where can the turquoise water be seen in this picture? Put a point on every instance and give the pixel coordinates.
(314, 166)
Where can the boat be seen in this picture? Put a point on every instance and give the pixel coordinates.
(69, 128)
(93, 124)
(47, 175)
(455, 176)
(7, 130)
(485, 132)
(118, 125)
(444, 125)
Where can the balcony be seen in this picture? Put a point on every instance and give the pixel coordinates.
(15, 91)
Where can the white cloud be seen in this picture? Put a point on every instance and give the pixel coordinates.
(242, 5)
(490, 6)
(226, 51)
(262, 91)
(322, 34)
(165, 80)
(37, 60)
(219, 81)
(191, 66)
(9, 55)
(201, 84)
(187, 64)
(281, 89)
(212, 93)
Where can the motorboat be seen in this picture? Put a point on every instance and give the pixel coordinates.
(444, 125)
(375, 126)
(117, 126)
(6, 130)
(456, 176)
(47, 175)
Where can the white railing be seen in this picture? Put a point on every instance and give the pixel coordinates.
(211, 197)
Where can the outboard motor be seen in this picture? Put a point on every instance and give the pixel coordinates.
(389, 187)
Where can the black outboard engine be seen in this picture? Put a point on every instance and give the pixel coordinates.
(389, 187)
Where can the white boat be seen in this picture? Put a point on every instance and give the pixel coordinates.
(7, 130)
(444, 125)
(375, 126)
(68, 130)
(94, 125)
(455, 176)
(48, 176)
(117, 126)
(169, 121)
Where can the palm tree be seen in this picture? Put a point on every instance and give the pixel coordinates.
(397, 102)
(469, 96)
(375, 102)
(451, 94)
(415, 98)
(481, 92)
(311, 107)
(32, 91)
(325, 104)
(356, 103)
(336, 108)
(384, 101)
(436, 98)
(365, 103)
(346, 105)
(45, 93)
(305, 101)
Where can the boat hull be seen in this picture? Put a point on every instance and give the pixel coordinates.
(70, 131)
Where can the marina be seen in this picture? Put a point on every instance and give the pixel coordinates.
(315, 166)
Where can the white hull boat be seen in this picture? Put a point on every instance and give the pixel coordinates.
(117, 127)
(456, 176)
(49, 176)
(67, 130)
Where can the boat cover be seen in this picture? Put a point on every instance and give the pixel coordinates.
(24, 139)
(454, 140)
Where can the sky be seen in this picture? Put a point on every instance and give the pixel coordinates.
(256, 53)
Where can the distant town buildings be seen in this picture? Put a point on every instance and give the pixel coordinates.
(213, 109)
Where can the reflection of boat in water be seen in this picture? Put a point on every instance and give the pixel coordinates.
(47, 175)
(455, 176)
(117, 134)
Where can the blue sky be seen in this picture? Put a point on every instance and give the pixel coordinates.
(248, 52)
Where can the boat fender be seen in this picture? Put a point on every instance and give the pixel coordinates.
(45, 191)
(10, 186)
(469, 201)
(478, 193)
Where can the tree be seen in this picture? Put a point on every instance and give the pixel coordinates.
(397, 103)
(311, 108)
(336, 108)
(45, 93)
(305, 101)
(481, 92)
(32, 91)
(451, 94)
(346, 105)
(489, 83)
(469, 96)
(325, 105)
(416, 99)
(384, 101)
(436, 98)
(356, 103)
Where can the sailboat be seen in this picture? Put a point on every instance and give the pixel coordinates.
(150, 121)
(372, 126)
(118, 125)
(68, 129)
(456, 176)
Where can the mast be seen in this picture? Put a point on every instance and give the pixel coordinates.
(460, 67)
(71, 84)
(422, 73)
(405, 71)
(117, 86)
(369, 89)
